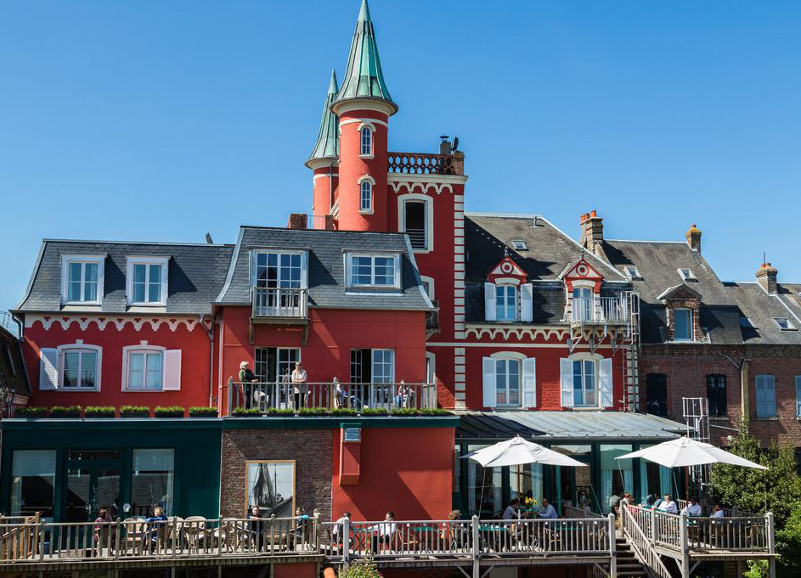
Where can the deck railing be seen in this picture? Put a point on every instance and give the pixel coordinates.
(279, 302)
(424, 164)
(613, 310)
(641, 540)
(573, 512)
(266, 396)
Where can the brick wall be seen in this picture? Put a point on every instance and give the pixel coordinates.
(311, 450)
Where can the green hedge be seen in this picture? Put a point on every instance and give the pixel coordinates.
(99, 411)
(65, 411)
(31, 412)
(134, 411)
(202, 411)
(169, 411)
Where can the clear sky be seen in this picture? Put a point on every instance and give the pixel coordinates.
(163, 120)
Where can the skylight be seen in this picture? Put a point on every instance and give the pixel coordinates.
(519, 245)
(632, 272)
(784, 323)
(687, 274)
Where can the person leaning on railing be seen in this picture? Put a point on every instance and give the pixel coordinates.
(246, 376)
(300, 533)
(255, 527)
(339, 532)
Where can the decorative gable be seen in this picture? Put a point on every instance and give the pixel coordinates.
(582, 273)
(680, 292)
(507, 271)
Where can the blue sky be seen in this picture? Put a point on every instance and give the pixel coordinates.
(162, 120)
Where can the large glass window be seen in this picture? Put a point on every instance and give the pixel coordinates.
(656, 389)
(582, 304)
(584, 383)
(275, 364)
(716, 394)
(33, 475)
(507, 382)
(82, 281)
(147, 278)
(682, 324)
(616, 475)
(373, 270)
(654, 480)
(281, 270)
(766, 396)
(506, 303)
(383, 366)
(152, 480)
(484, 488)
(80, 368)
(145, 369)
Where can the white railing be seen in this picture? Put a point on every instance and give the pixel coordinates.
(598, 310)
(573, 512)
(417, 238)
(640, 540)
(279, 302)
(266, 396)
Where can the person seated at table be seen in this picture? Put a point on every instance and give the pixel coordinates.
(340, 395)
(668, 505)
(693, 508)
(300, 533)
(450, 531)
(384, 531)
(614, 500)
(339, 531)
(547, 511)
(649, 501)
(717, 511)
(102, 529)
(510, 513)
(156, 525)
(716, 523)
(255, 527)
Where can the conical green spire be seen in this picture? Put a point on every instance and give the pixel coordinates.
(363, 77)
(327, 145)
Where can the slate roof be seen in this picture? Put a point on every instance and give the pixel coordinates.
(658, 263)
(489, 236)
(13, 375)
(761, 309)
(327, 268)
(196, 275)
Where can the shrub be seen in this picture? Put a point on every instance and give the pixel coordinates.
(169, 411)
(343, 411)
(404, 411)
(373, 411)
(274, 411)
(361, 569)
(243, 412)
(312, 411)
(65, 411)
(202, 411)
(135, 411)
(99, 411)
(434, 411)
(31, 412)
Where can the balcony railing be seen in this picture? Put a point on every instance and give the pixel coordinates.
(417, 238)
(279, 303)
(267, 396)
(425, 164)
(598, 310)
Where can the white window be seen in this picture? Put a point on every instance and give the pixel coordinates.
(798, 395)
(632, 272)
(280, 269)
(582, 304)
(766, 396)
(82, 279)
(383, 369)
(373, 270)
(686, 274)
(151, 368)
(784, 323)
(366, 197)
(147, 280)
(519, 245)
(73, 367)
(682, 324)
(586, 381)
(506, 303)
(366, 141)
(509, 380)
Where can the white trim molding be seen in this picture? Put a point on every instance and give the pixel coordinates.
(130, 262)
(428, 203)
(99, 260)
(107, 321)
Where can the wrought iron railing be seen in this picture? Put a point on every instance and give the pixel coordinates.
(279, 302)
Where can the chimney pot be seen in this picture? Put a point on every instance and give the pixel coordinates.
(592, 232)
(767, 276)
(693, 237)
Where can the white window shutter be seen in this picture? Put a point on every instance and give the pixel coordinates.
(489, 302)
(605, 384)
(566, 380)
(48, 369)
(172, 370)
(526, 302)
(529, 382)
(398, 271)
(490, 397)
(304, 270)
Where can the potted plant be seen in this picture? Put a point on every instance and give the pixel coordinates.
(134, 411)
(99, 411)
(246, 412)
(65, 411)
(374, 411)
(313, 411)
(169, 411)
(202, 411)
(280, 412)
(30, 412)
(337, 411)
(434, 411)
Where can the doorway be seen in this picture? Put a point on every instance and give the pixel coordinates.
(93, 482)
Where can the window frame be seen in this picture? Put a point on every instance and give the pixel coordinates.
(131, 262)
(506, 360)
(349, 270)
(690, 324)
(519, 244)
(583, 378)
(772, 382)
(81, 348)
(504, 288)
(428, 217)
(790, 326)
(366, 129)
(689, 276)
(366, 183)
(714, 380)
(254, 273)
(632, 272)
(798, 396)
(66, 261)
(126, 361)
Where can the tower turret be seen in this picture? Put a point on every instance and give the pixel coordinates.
(324, 155)
(363, 105)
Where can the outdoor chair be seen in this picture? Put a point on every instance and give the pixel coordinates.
(195, 533)
(134, 531)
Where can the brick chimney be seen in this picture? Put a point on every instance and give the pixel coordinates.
(592, 232)
(297, 221)
(766, 277)
(694, 238)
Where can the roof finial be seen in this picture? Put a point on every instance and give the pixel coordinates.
(364, 13)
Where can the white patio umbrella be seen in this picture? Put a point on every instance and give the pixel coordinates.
(684, 452)
(517, 452)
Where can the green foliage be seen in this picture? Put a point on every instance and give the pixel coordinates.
(280, 412)
(434, 411)
(756, 569)
(343, 411)
(243, 412)
(135, 411)
(202, 411)
(28, 411)
(65, 411)
(788, 542)
(777, 489)
(373, 411)
(361, 569)
(312, 411)
(169, 411)
(99, 411)
(401, 411)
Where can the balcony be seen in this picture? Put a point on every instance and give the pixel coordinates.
(426, 164)
(270, 397)
(598, 311)
(279, 305)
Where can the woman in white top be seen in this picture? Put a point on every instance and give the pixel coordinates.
(298, 379)
(668, 505)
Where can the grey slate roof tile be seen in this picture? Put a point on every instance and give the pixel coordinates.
(762, 308)
(13, 375)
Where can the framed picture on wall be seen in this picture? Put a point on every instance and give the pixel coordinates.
(270, 484)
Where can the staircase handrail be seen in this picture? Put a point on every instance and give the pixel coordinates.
(643, 548)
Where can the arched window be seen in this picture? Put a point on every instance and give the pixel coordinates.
(366, 197)
(367, 141)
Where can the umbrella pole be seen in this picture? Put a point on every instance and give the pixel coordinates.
(483, 483)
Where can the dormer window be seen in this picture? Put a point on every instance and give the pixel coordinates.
(784, 324)
(147, 280)
(366, 194)
(519, 245)
(682, 324)
(632, 272)
(746, 323)
(82, 279)
(369, 270)
(506, 303)
(687, 274)
(366, 134)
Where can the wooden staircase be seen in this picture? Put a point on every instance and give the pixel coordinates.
(627, 563)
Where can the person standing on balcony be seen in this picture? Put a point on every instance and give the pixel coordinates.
(246, 378)
(403, 398)
(340, 395)
(299, 387)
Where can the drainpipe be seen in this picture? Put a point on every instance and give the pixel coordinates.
(210, 334)
(745, 400)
